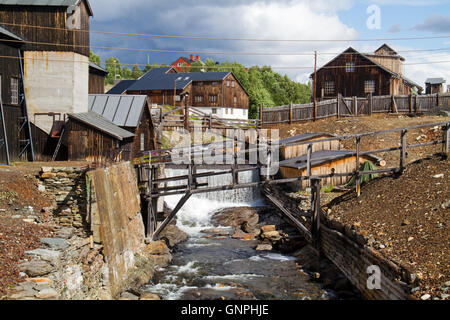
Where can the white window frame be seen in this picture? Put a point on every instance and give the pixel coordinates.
(329, 87)
(350, 67)
(370, 83)
(14, 91)
(232, 84)
(142, 141)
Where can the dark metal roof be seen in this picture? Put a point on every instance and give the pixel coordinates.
(160, 79)
(435, 81)
(122, 110)
(319, 157)
(121, 87)
(100, 123)
(10, 34)
(305, 137)
(97, 67)
(53, 3)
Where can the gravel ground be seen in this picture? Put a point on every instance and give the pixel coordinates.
(16, 237)
(407, 220)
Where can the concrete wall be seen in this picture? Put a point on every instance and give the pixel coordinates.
(115, 213)
(55, 82)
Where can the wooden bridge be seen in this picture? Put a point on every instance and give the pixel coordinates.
(307, 222)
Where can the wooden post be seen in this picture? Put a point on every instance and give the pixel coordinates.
(410, 103)
(338, 112)
(315, 86)
(315, 202)
(358, 177)
(447, 139)
(403, 154)
(437, 100)
(370, 103)
(355, 106)
(260, 115)
(186, 112)
(308, 160)
(290, 113)
(210, 121)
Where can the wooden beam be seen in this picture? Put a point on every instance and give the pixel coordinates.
(358, 177)
(315, 201)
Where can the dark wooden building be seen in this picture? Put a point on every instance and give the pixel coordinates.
(55, 56)
(356, 74)
(210, 92)
(13, 132)
(97, 77)
(434, 85)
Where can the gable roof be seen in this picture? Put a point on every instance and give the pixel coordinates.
(435, 81)
(161, 79)
(121, 87)
(9, 34)
(47, 3)
(100, 123)
(122, 110)
(97, 67)
(389, 49)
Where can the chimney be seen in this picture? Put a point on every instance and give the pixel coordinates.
(192, 57)
(198, 58)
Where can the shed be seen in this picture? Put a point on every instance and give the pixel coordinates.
(97, 77)
(322, 163)
(91, 137)
(296, 150)
(129, 112)
(434, 85)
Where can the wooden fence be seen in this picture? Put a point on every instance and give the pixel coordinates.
(353, 106)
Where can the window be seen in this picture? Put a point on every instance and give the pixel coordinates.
(214, 84)
(350, 67)
(329, 87)
(198, 99)
(213, 98)
(228, 83)
(235, 100)
(214, 111)
(14, 91)
(142, 141)
(179, 64)
(177, 98)
(369, 86)
(226, 110)
(232, 111)
(200, 84)
(232, 84)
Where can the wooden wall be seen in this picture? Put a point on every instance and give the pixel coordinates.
(351, 84)
(47, 16)
(96, 82)
(291, 152)
(86, 143)
(340, 166)
(146, 127)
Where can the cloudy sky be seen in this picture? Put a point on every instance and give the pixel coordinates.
(222, 22)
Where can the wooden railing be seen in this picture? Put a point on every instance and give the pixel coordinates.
(353, 106)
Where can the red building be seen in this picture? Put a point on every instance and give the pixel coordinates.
(185, 62)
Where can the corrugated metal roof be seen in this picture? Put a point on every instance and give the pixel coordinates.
(100, 123)
(318, 158)
(435, 80)
(97, 67)
(160, 79)
(10, 34)
(121, 87)
(305, 136)
(122, 110)
(55, 3)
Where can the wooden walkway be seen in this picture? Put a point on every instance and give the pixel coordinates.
(154, 186)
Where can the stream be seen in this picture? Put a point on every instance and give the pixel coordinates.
(211, 269)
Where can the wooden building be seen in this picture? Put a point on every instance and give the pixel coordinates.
(356, 74)
(434, 85)
(183, 63)
(218, 93)
(97, 77)
(323, 163)
(14, 131)
(121, 123)
(55, 55)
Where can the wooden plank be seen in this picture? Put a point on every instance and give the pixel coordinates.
(358, 177)
(315, 201)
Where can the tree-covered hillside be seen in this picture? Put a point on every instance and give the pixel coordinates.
(264, 86)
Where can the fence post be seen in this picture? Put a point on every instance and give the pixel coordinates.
(410, 103)
(447, 139)
(437, 100)
(355, 106)
(403, 154)
(358, 177)
(339, 97)
(261, 114)
(290, 113)
(370, 103)
(315, 201)
(308, 160)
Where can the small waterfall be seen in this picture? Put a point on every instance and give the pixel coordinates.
(196, 213)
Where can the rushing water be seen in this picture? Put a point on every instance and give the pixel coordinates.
(211, 269)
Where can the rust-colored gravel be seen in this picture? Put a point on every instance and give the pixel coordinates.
(16, 237)
(409, 217)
